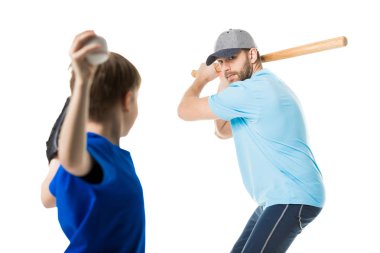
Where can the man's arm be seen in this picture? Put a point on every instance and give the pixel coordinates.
(192, 107)
(223, 128)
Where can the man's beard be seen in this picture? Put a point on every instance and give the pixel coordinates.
(246, 72)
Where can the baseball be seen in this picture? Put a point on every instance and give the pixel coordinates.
(101, 55)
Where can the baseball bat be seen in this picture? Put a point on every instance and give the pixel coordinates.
(297, 51)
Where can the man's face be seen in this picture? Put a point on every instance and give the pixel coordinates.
(237, 67)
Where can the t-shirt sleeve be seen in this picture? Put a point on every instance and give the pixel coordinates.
(95, 176)
(53, 183)
(237, 101)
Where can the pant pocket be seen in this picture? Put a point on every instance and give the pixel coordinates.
(307, 214)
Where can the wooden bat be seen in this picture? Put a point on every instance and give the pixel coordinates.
(297, 51)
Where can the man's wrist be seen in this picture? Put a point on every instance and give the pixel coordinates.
(200, 83)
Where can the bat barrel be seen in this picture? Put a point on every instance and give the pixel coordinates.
(306, 49)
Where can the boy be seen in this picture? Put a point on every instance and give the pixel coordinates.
(92, 181)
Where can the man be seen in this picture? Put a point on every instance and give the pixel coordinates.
(263, 116)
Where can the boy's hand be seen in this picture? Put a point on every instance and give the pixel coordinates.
(82, 69)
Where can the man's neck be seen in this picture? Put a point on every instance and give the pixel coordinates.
(257, 67)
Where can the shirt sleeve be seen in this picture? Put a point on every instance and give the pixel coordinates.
(53, 183)
(239, 100)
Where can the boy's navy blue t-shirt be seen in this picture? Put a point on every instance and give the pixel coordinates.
(105, 217)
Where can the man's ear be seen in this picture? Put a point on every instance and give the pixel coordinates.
(127, 101)
(253, 55)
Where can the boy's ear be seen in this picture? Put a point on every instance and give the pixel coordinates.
(127, 101)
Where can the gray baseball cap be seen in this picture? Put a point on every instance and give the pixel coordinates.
(229, 43)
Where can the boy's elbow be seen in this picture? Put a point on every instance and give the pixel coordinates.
(47, 204)
(74, 165)
(48, 201)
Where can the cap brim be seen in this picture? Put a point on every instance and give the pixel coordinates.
(224, 53)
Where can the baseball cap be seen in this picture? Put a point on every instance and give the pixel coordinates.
(230, 43)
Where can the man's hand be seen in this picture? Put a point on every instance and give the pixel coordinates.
(206, 74)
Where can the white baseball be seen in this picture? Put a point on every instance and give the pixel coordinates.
(100, 55)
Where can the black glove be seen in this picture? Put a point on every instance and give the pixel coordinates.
(52, 143)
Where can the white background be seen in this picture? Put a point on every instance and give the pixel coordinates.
(194, 195)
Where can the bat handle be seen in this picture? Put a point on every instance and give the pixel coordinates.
(215, 65)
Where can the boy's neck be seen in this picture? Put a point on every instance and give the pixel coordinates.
(107, 130)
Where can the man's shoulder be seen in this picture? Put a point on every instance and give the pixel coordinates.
(263, 75)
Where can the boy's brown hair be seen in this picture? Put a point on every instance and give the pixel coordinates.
(112, 81)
